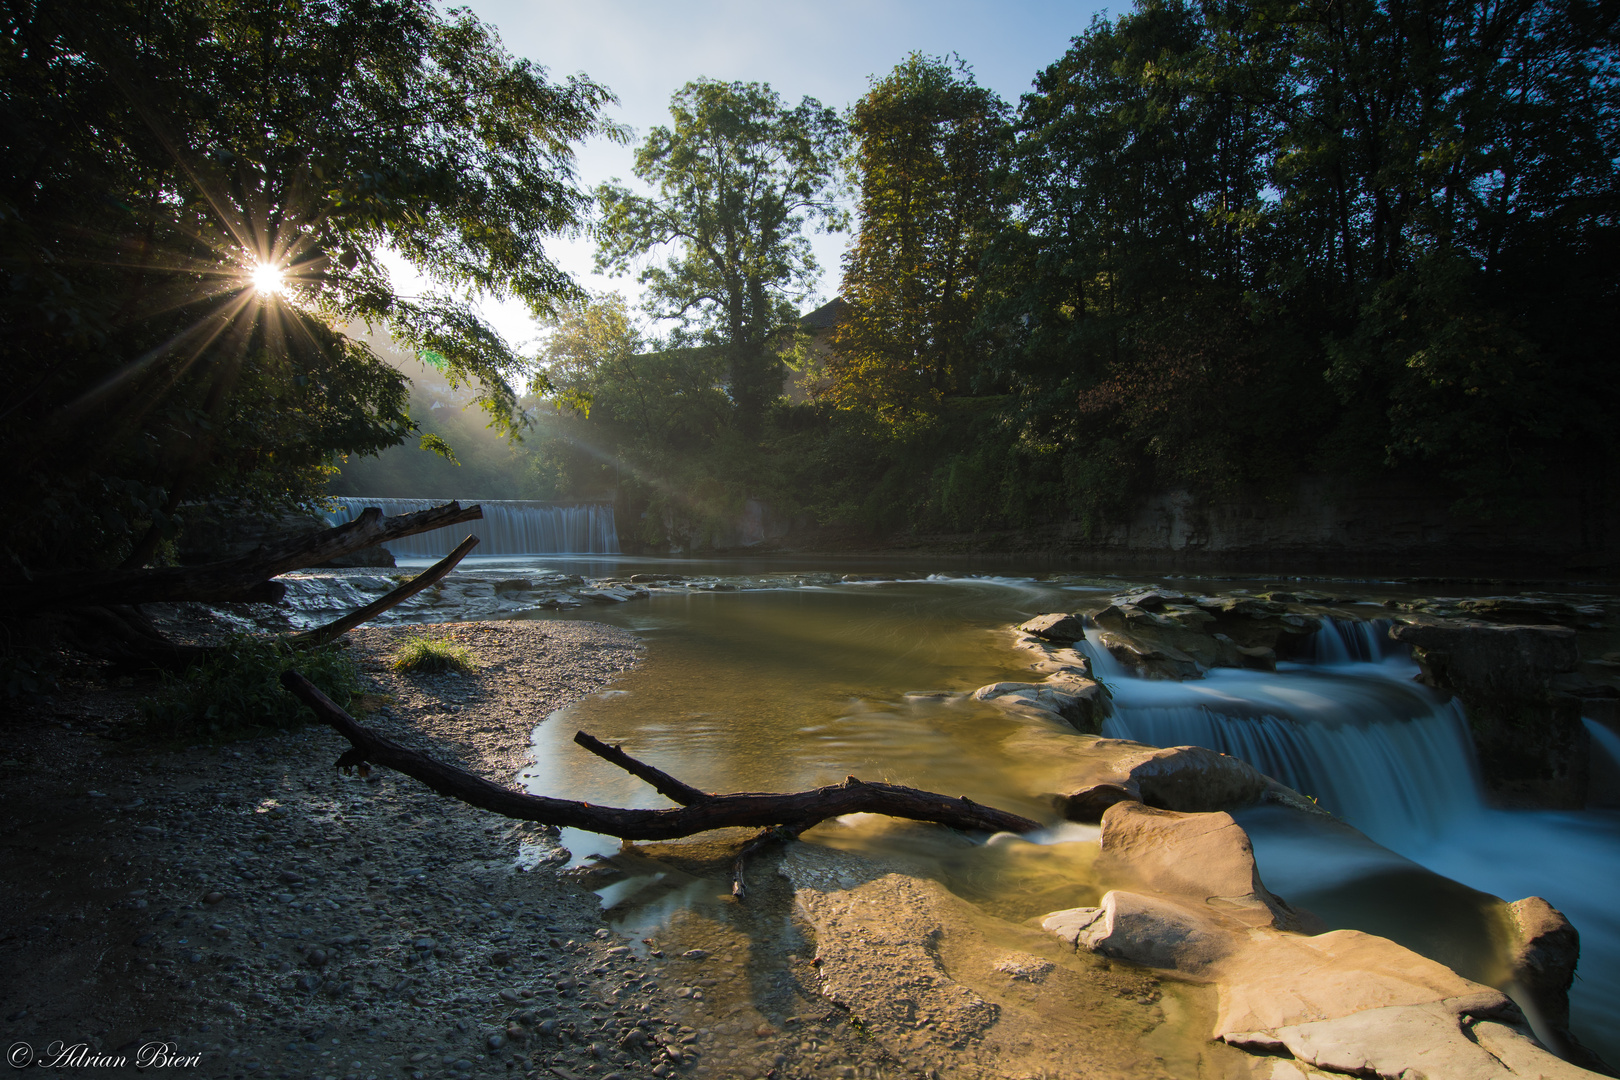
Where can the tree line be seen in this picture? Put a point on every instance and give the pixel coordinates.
(1215, 246)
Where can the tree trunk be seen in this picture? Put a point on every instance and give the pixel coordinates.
(246, 578)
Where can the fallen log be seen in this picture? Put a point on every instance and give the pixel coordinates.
(783, 814)
(335, 629)
(245, 578)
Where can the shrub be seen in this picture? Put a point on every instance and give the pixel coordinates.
(429, 656)
(239, 691)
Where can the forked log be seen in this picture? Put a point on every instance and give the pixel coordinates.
(335, 629)
(246, 577)
(787, 814)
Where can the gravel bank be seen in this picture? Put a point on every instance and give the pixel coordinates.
(252, 913)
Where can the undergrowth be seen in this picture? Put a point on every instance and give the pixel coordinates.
(239, 691)
(430, 656)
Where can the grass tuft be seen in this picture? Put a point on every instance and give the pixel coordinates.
(428, 656)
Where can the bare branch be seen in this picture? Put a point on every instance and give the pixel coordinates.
(797, 810)
(338, 627)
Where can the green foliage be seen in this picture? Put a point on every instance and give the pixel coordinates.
(928, 145)
(1216, 247)
(154, 153)
(435, 443)
(738, 176)
(429, 656)
(239, 691)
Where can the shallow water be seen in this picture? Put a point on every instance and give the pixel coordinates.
(799, 679)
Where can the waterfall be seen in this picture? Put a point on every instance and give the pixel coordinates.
(508, 527)
(1379, 750)
(1353, 641)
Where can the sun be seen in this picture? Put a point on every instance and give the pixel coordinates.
(267, 278)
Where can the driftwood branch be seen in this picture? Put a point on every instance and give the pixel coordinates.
(338, 627)
(244, 578)
(794, 810)
(666, 785)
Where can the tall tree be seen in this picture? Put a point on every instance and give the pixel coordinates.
(928, 144)
(737, 177)
(1139, 187)
(194, 196)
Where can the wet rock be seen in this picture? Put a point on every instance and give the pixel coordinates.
(1081, 702)
(1544, 959)
(1188, 779)
(1533, 749)
(1057, 627)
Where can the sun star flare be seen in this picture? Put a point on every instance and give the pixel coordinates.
(267, 278)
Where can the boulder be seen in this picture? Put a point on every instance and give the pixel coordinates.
(1057, 627)
(1188, 779)
(1146, 930)
(1203, 858)
(1081, 702)
(1526, 722)
(1545, 952)
(1174, 637)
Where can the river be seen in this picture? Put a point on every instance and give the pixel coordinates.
(783, 676)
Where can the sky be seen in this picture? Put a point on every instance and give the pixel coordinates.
(644, 51)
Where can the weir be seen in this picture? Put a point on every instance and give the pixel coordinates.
(509, 527)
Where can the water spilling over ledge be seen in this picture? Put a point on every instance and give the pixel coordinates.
(509, 527)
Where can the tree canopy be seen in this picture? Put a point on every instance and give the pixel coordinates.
(156, 154)
(738, 176)
(928, 143)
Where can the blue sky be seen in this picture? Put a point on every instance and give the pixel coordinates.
(645, 51)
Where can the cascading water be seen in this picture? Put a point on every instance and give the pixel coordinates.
(508, 527)
(1360, 736)
(1351, 727)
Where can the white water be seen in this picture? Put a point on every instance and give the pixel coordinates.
(507, 528)
(1385, 753)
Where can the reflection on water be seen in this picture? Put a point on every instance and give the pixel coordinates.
(793, 686)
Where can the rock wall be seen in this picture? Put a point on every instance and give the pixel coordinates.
(1524, 697)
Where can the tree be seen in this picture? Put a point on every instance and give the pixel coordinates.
(157, 156)
(737, 177)
(1121, 290)
(928, 144)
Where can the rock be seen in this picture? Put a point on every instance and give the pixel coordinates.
(1153, 659)
(1533, 749)
(1188, 779)
(1453, 1039)
(1203, 857)
(1145, 930)
(1081, 702)
(1544, 958)
(1057, 627)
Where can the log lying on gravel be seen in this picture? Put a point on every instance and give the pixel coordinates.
(783, 815)
(241, 579)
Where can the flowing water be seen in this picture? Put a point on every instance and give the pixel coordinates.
(508, 527)
(778, 680)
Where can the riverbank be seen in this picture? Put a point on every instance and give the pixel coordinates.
(255, 914)
(249, 904)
